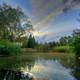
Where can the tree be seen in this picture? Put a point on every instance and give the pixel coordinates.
(76, 41)
(52, 44)
(10, 22)
(76, 44)
(31, 42)
(63, 41)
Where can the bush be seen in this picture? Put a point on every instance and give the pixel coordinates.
(76, 44)
(9, 48)
(4, 50)
(61, 49)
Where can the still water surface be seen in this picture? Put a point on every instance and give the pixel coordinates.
(48, 70)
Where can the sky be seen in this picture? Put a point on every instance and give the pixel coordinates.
(51, 19)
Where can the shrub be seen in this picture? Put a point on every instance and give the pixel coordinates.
(61, 49)
(76, 44)
(4, 50)
(14, 49)
(9, 48)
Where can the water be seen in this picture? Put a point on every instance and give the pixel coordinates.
(49, 70)
(41, 67)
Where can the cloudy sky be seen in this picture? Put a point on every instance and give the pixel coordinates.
(51, 19)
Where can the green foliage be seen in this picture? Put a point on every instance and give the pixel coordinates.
(76, 44)
(61, 49)
(76, 41)
(31, 42)
(39, 47)
(8, 48)
(66, 40)
(15, 49)
(24, 44)
(10, 22)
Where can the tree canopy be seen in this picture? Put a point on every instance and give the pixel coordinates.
(31, 42)
(10, 22)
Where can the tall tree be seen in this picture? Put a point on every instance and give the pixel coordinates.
(63, 40)
(76, 44)
(31, 42)
(10, 22)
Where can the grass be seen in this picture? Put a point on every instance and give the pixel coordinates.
(61, 49)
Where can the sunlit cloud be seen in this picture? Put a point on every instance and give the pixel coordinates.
(47, 19)
(45, 10)
(43, 14)
(37, 34)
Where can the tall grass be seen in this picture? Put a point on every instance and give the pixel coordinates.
(8, 48)
(61, 49)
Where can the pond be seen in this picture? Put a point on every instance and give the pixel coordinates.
(42, 68)
(49, 70)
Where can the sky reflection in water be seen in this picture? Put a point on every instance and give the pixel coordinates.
(50, 69)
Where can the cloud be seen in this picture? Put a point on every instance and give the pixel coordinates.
(62, 25)
(44, 14)
(40, 7)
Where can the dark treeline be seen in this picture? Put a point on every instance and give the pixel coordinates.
(64, 44)
(29, 42)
